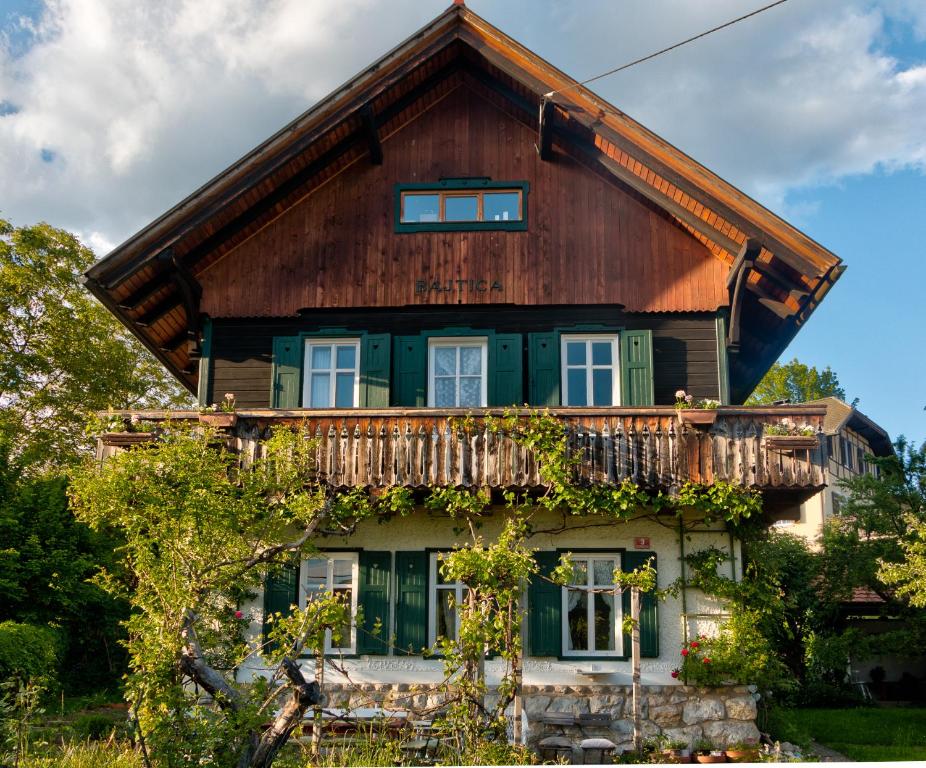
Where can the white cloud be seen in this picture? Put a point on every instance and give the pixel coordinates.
(141, 102)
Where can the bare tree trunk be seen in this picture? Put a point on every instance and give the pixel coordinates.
(305, 694)
(261, 750)
(635, 656)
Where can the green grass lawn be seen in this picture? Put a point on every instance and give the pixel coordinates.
(870, 733)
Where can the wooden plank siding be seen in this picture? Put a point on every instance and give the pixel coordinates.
(589, 241)
(684, 345)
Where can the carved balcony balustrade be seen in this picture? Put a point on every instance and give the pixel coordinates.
(653, 447)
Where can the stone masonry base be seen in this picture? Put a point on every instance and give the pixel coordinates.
(724, 715)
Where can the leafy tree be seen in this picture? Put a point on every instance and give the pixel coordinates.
(909, 576)
(62, 354)
(878, 519)
(796, 382)
(201, 533)
(46, 559)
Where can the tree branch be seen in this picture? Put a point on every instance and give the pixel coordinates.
(194, 666)
(304, 695)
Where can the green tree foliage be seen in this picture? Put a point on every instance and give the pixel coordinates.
(28, 653)
(200, 534)
(878, 522)
(46, 559)
(909, 576)
(63, 356)
(796, 382)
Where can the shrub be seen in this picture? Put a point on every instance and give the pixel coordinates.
(96, 726)
(739, 653)
(28, 652)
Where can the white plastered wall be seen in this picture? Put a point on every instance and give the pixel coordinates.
(421, 531)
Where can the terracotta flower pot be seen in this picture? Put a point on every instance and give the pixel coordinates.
(677, 755)
(743, 755)
(699, 418)
(711, 758)
(219, 419)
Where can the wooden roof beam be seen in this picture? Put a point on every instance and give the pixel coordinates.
(545, 129)
(156, 284)
(159, 310)
(371, 132)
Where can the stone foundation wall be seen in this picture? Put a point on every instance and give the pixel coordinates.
(724, 715)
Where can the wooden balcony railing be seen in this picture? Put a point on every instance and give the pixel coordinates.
(425, 447)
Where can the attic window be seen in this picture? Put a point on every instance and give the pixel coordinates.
(460, 205)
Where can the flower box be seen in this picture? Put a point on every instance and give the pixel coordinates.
(699, 418)
(219, 419)
(792, 442)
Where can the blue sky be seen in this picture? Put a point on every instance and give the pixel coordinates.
(112, 111)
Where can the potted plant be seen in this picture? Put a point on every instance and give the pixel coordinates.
(221, 415)
(743, 752)
(706, 752)
(696, 413)
(676, 751)
(786, 435)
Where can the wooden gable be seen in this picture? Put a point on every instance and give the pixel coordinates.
(292, 194)
(589, 240)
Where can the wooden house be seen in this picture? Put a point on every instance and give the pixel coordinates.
(441, 236)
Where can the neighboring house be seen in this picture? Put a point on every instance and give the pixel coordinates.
(436, 238)
(850, 438)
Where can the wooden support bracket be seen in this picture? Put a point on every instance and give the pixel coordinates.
(370, 131)
(545, 129)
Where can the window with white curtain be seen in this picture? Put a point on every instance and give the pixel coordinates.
(457, 372)
(445, 596)
(337, 573)
(592, 607)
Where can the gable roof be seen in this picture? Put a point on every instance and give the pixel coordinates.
(841, 415)
(778, 274)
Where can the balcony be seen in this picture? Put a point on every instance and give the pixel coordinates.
(650, 446)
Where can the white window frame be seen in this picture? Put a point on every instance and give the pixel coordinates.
(354, 559)
(437, 342)
(618, 610)
(458, 589)
(307, 369)
(615, 366)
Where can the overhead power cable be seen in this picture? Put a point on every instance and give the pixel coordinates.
(670, 48)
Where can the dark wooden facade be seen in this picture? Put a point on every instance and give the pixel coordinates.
(588, 241)
(685, 347)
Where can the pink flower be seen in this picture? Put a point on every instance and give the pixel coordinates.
(695, 644)
(239, 615)
(684, 651)
(675, 673)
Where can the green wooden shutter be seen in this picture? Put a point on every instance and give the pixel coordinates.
(543, 369)
(411, 605)
(649, 611)
(637, 368)
(544, 609)
(373, 600)
(286, 372)
(374, 371)
(505, 370)
(411, 371)
(281, 592)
